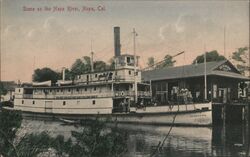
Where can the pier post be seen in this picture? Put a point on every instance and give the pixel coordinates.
(223, 116)
(247, 128)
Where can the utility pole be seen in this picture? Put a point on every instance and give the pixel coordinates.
(135, 64)
(225, 42)
(205, 74)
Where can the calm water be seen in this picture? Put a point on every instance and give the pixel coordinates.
(182, 141)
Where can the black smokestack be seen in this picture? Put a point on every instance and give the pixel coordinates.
(117, 41)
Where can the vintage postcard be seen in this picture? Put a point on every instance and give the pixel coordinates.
(125, 78)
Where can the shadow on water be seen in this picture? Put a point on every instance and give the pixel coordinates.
(233, 140)
(132, 140)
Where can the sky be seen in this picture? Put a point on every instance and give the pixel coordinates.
(53, 33)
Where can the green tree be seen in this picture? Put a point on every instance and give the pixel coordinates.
(77, 68)
(81, 66)
(3, 90)
(241, 58)
(210, 56)
(100, 66)
(87, 62)
(167, 62)
(10, 121)
(45, 74)
(111, 64)
(151, 61)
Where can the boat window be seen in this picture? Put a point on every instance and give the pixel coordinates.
(95, 75)
(61, 90)
(128, 60)
(69, 90)
(57, 90)
(64, 102)
(33, 102)
(22, 101)
(129, 72)
(85, 89)
(77, 89)
(50, 90)
(19, 90)
(93, 102)
(94, 88)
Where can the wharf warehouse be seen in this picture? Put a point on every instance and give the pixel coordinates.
(223, 81)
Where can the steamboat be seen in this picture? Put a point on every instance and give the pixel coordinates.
(120, 95)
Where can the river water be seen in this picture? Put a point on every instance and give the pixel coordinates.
(143, 140)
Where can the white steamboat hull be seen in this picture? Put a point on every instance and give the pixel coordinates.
(182, 115)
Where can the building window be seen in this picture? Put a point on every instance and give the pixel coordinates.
(129, 72)
(33, 102)
(93, 102)
(22, 101)
(64, 103)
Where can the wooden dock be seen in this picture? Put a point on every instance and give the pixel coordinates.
(227, 116)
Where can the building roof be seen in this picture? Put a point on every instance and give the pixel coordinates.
(220, 68)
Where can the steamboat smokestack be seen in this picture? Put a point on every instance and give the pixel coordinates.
(117, 41)
(63, 74)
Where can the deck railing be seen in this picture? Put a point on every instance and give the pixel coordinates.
(89, 95)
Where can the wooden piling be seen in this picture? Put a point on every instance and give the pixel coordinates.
(247, 121)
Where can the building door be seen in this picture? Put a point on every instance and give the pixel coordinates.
(223, 95)
(48, 106)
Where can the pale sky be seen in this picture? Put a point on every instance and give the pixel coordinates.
(37, 39)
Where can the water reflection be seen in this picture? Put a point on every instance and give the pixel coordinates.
(232, 141)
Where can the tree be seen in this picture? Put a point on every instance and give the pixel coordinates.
(111, 64)
(168, 62)
(151, 61)
(100, 66)
(3, 90)
(45, 74)
(87, 62)
(77, 68)
(210, 56)
(81, 66)
(241, 57)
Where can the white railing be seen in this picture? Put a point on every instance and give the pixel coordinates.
(67, 96)
(144, 93)
(88, 95)
(123, 93)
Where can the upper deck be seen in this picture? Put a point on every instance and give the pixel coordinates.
(125, 71)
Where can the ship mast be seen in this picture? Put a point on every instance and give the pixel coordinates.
(92, 58)
(135, 63)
